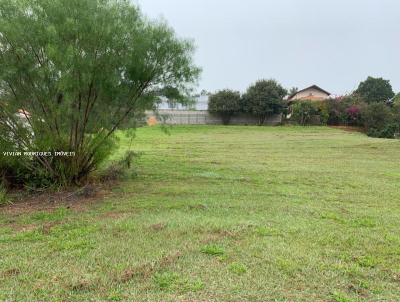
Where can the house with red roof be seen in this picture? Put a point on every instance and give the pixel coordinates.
(312, 93)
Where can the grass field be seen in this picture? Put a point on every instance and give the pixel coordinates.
(215, 213)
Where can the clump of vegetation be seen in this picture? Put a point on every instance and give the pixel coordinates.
(71, 74)
(171, 281)
(344, 111)
(3, 195)
(117, 170)
(341, 297)
(238, 268)
(379, 121)
(264, 99)
(306, 113)
(224, 103)
(213, 250)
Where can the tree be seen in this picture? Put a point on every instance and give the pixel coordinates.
(263, 99)
(375, 90)
(78, 69)
(224, 103)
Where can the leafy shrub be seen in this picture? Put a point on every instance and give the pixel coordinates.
(33, 172)
(388, 131)
(304, 112)
(353, 114)
(224, 103)
(117, 170)
(380, 121)
(335, 109)
(345, 111)
(376, 116)
(322, 112)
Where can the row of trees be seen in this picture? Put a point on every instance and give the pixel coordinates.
(262, 99)
(372, 105)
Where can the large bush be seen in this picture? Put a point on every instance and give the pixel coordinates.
(263, 99)
(345, 111)
(305, 112)
(77, 70)
(380, 121)
(224, 103)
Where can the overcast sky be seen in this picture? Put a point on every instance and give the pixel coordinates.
(332, 43)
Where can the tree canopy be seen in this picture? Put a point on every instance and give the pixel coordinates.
(264, 98)
(375, 90)
(396, 99)
(78, 69)
(225, 103)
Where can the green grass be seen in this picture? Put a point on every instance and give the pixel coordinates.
(215, 213)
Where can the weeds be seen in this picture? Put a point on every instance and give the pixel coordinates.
(213, 250)
(4, 199)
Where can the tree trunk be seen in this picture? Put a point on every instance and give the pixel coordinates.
(261, 120)
(226, 118)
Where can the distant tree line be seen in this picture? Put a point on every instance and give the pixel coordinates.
(373, 106)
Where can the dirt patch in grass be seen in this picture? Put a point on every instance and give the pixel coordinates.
(47, 227)
(78, 200)
(396, 277)
(10, 273)
(44, 228)
(216, 237)
(158, 226)
(362, 292)
(144, 271)
(23, 227)
(113, 215)
(82, 286)
(349, 128)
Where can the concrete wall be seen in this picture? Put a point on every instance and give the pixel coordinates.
(200, 103)
(203, 117)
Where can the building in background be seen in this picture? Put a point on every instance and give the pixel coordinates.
(312, 93)
(200, 103)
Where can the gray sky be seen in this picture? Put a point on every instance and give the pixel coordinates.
(332, 43)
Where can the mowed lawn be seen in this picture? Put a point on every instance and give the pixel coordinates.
(214, 213)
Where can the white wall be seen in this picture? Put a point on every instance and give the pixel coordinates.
(203, 117)
(201, 103)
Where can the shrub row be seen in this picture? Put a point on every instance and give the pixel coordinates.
(379, 119)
